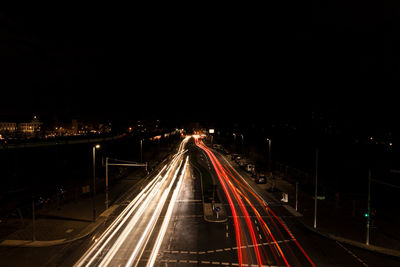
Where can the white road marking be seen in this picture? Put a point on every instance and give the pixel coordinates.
(352, 254)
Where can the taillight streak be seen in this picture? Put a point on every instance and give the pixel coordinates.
(225, 179)
(269, 210)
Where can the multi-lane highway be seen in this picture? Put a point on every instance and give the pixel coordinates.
(142, 224)
(262, 238)
(164, 225)
(161, 222)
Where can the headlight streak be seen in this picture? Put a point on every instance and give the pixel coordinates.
(167, 218)
(151, 224)
(126, 219)
(118, 222)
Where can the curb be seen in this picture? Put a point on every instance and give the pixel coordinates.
(207, 209)
(84, 233)
(372, 248)
(208, 212)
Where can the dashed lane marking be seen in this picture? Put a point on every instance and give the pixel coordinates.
(211, 262)
(226, 249)
(352, 254)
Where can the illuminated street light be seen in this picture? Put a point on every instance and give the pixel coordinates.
(269, 153)
(141, 150)
(94, 180)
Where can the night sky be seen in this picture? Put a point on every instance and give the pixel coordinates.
(200, 63)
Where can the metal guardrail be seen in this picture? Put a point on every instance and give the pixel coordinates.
(57, 142)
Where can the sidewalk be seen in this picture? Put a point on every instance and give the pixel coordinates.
(335, 220)
(70, 221)
(74, 220)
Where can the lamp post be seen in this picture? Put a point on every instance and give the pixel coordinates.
(234, 141)
(106, 183)
(141, 150)
(269, 154)
(242, 148)
(94, 181)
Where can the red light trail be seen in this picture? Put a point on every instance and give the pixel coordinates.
(251, 250)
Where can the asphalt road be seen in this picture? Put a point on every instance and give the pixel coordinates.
(320, 250)
(163, 224)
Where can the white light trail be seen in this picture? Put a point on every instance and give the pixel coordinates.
(153, 220)
(125, 226)
(167, 219)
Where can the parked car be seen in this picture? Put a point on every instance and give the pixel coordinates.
(250, 167)
(261, 179)
(237, 159)
(242, 163)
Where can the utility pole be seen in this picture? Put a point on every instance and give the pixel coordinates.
(369, 207)
(316, 188)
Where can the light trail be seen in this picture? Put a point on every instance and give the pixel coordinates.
(225, 182)
(232, 206)
(235, 185)
(167, 219)
(108, 234)
(130, 232)
(151, 224)
(269, 210)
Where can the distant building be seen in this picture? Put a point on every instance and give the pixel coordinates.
(14, 128)
(8, 127)
(30, 127)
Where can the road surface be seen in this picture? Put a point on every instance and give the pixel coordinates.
(162, 224)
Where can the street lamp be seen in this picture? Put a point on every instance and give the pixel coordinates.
(94, 181)
(269, 153)
(141, 150)
(107, 183)
(234, 141)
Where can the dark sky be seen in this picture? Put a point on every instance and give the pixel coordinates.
(274, 61)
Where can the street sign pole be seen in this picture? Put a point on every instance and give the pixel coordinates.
(297, 194)
(316, 188)
(369, 207)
